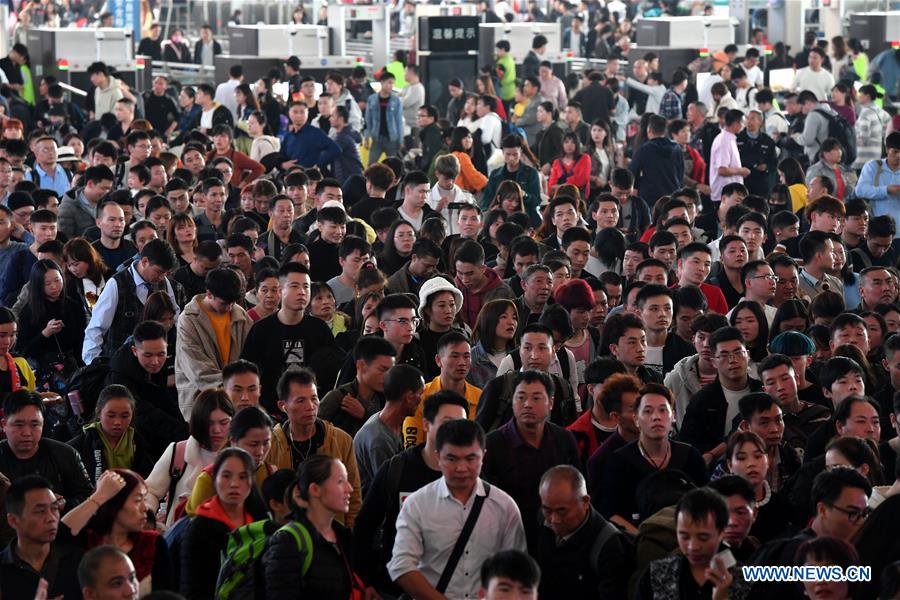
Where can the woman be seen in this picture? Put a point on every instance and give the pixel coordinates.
(840, 57)
(183, 233)
(573, 167)
(484, 86)
(790, 316)
(859, 61)
(322, 306)
(746, 455)
(844, 268)
(468, 116)
(826, 551)
(15, 373)
(263, 144)
(324, 490)
(116, 514)
(791, 174)
(855, 453)
(267, 295)
(470, 178)
(891, 314)
(210, 418)
(842, 102)
(495, 335)
(749, 318)
(52, 325)
(439, 304)
(110, 441)
(779, 198)
(397, 247)
(206, 537)
(247, 104)
(602, 152)
(488, 236)
(694, 165)
(271, 106)
(878, 332)
(560, 272)
(86, 273)
(509, 197)
(607, 251)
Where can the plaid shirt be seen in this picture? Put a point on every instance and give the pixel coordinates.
(670, 105)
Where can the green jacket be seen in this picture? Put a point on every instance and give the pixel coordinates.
(508, 81)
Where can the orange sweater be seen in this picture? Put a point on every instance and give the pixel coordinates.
(246, 170)
(470, 178)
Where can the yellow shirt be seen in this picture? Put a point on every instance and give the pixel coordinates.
(413, 431)
(798, 196)
(221, 325)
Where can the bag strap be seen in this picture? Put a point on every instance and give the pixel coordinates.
(608, 531)
(176, 469)
(462, 540)
(304, 542)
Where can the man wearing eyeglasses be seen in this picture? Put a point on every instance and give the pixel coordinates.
(760, 283)
(877, 250)
(711, 413)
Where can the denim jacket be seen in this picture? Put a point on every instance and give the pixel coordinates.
(394, 115)
(482, 370)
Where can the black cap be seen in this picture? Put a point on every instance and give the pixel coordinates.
(19, 200)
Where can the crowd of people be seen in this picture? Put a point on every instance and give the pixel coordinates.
(604, 337)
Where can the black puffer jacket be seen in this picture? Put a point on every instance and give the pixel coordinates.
(90, 447)
(328, 576)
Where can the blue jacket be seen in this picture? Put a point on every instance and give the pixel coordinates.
(658, 167)
(527, 178)
(394, 116)
(348, 162)
(309, 146)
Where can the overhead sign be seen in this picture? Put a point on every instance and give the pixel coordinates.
(448, 34)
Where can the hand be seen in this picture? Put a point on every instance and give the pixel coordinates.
(442, 204)
(704, 189)
(109, 484)
(353, 406)
(761, 168)
(743, 171)
(288, 164)
(371, 594)
(50, 398)
(53, 327)
(893, 190)
(41, 592)
(721, 579)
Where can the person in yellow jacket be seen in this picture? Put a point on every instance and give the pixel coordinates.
(250, 430)
(304, 433)
(455, 359)
(15, 372)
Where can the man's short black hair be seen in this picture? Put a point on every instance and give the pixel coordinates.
(470, 252)
(369, 347)
(433, 403)
(754, 403)
(882, 226)
(224, 284)
(837, 367)
(725, 334)
(830, 483)
(239, 367)
(700, 503)
(734, 485)
(15, 495)
(302, 376)
(401, 379)
(148, 330)
(160, 253)
(351, 244)
(514, 565)
(535, 376)
(461, 433)
(575, 234)
(652, 291)
(19, 399)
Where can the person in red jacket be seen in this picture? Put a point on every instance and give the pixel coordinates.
(246, 170)
(573, 167)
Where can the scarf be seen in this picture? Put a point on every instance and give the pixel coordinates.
(121, 456)
(13, 373)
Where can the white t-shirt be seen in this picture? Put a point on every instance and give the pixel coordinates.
(731, 399)
(654, 360)
(206, 118)
(416, 223)
(818, 82)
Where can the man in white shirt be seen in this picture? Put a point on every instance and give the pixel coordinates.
(775, 122)
(432, 518)
(724, 158)
(750, 64)
(814, 77)
(412, 97)
(225, 90)
(488, 121)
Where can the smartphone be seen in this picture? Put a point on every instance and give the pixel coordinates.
(726, 557)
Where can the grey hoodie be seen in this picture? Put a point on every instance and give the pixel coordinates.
(684, 381)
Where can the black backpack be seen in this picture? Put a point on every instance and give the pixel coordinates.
(83, 389)
(843, 132)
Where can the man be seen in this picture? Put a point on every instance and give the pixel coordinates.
(303, 433)
(211, 332)
(634, 214)
(531, 93)
(240, 380)
(760, 282)
(308, 145)
(817, 250)
(876, 286)
(816, 124)
(657, 165)
(428, 523)
(159, 108)
(348, 162)
(239, 249)
(776, 124)
(192, 276)
(596, 99)
(762, 414)
(211, 222)
(211, 112)
(350, 405)
(840, 378)
(548, 141)
(814, 78)
(694, 264)
(536, 289)
(552, 88)
(531, 64)
(287, 337)
(526, 176)
(625, 339)
(353, 253)
(758, 152)
(334, 85)
(414, 206)
(225, 90)
(107, 573)
(880, 179)
(509, 574)
(422, 266)
(454, 361)
(875, 248)
(120, 304)
(701, 518)
(618, 400)
(574, 121)
(519, 452)
(78, 209)
(412, 97)
(691, 373)
(664, 348)
(563, 216)
(725, 160)
(451, 201)
(282, 234)
(244, 170)
(581, 554)
(830, 167)
(207, 48)
(478, 284)
(670, 106)
(38, 552)
(141, 367)
(742, 513)
(506, 66)
(331, 222)
(399, 477)
(711, 413)
(107, 89)
(381, 436)
(327, 191)
(48, 173)
(8, 246)
(384, 120)
(112, 245)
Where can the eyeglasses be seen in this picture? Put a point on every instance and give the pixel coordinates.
(769, 277)
(854, 515)
(404, 322)
(736, 355)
